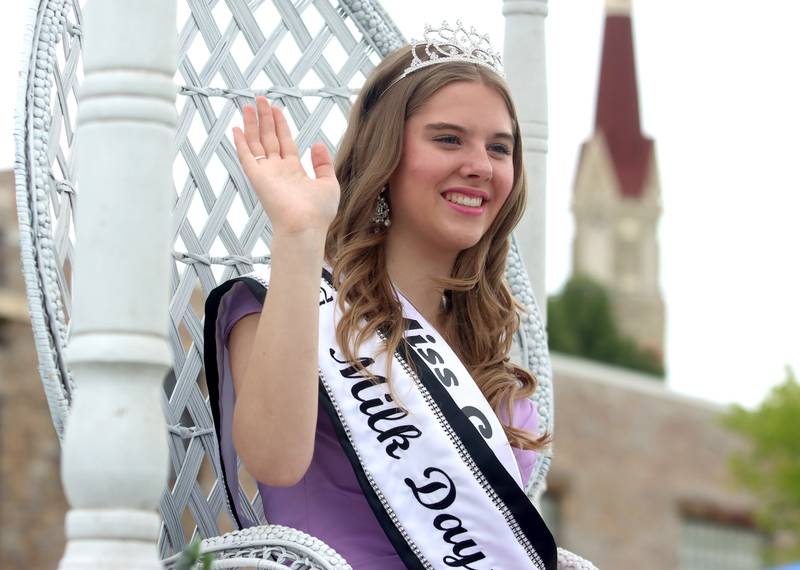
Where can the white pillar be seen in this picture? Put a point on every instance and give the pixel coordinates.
(524, 62)
(115, 457)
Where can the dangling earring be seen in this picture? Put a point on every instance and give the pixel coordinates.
(381, 217)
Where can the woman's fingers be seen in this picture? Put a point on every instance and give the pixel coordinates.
(266, 130)
(242, 147)
(269, 139)
(251, 131)
(284, 134)
(321, 161)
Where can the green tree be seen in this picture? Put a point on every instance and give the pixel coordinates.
(581, 322)
(770, 466)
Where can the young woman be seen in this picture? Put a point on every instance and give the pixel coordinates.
(377, 406)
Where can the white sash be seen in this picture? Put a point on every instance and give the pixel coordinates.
(418, 467)
(441, 477)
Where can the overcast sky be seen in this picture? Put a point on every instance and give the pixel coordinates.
(720, 94)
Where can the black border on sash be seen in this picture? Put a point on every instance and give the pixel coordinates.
(521, 507)
(212, 380)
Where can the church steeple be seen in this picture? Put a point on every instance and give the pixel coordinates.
(617, 115)
(617, 199)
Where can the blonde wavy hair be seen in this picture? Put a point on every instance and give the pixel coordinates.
(368, 155)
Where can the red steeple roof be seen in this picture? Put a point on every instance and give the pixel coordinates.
(618, 106)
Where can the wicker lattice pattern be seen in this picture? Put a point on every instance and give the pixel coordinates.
(310, 57)
(306, 58)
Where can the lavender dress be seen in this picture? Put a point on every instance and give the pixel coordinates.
(328, 502)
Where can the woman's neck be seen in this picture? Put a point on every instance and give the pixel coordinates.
(415, 271)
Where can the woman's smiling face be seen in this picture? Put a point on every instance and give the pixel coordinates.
(456, 169)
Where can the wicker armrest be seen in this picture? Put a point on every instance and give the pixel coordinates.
(569, 561)
(277, 547)
(274, 547)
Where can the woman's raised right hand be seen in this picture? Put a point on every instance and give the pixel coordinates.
(295, 203)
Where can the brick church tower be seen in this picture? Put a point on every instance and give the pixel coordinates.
(617, 194)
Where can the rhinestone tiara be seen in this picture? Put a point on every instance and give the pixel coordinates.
(447, 43)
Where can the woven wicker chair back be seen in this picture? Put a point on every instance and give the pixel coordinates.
(309, 57)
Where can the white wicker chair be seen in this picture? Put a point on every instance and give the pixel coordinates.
(309, 56)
